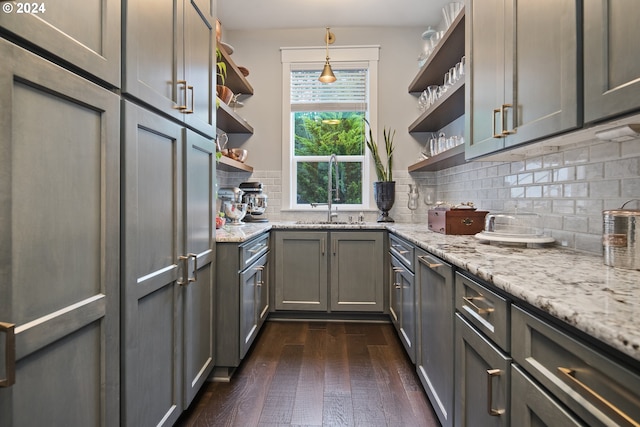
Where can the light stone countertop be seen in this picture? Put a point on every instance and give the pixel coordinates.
(577, 288)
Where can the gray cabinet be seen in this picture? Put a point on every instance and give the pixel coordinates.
(595, 387)
(170, 59)
(611, 65)
(59, 244)
(242, 299)
(86, 35)
(522, 85)
(311, 265)
(301, 270)
(168, 254)
(482, 361)
(357, 271)
(532, 406)
(402, 292)
(434, 361)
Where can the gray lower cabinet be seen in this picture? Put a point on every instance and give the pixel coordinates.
(167, 267)
(434, 361)
(242, 299)
(59, 244)
(593, 386)
(482, 360)
(520, 88)
(483, 376)
(532, 406)
(357, 271)
(84, 34)
(402, 304)
(611, 70)
(329, 271)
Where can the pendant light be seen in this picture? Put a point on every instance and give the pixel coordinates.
(327, 75)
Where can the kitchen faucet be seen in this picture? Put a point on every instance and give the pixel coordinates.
(330, 199)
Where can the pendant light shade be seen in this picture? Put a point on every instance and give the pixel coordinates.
(327, 75)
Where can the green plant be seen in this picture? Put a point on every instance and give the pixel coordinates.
(382, 173)
(221, 71)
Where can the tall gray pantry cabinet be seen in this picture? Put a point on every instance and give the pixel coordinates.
(60, 216)
(106, 212)
(168, 193)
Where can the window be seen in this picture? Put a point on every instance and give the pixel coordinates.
(324, 119)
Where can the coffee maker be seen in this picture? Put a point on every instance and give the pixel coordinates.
(256, 201)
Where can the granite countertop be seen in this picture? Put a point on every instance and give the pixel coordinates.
(577, 288)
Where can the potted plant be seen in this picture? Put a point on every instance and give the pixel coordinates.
(384, 190)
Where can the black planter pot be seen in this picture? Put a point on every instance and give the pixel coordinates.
(384, 193)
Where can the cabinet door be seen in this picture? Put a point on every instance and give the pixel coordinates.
(301, 270)
(200, 72)
(531, 406)
(482, 379)
(199, 209)
(357, 271)
(484, 84)
(611, 64)
(154, 60)
(403, 305)
(152, 271)
(395, 290)
(542, 82)
(59, 244)
(252, 291)
(434, 362)
(83, 33)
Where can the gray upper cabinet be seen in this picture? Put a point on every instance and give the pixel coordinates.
(59, 245)
(170, 59)
(522, 86)
(167, 283)
(611, 65)
(85, 34)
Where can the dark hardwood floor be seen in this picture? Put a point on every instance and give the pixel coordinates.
(318, 374)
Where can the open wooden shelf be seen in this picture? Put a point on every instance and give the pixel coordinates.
(446, 159)
(449, 107)
(229, 121)
(235, 79)
(230, 165)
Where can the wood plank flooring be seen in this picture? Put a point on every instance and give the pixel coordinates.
(318, 374)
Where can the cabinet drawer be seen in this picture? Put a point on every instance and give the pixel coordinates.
(252, 250)
(486, 310)
(532, 406)
(403, 250)
(597, 389)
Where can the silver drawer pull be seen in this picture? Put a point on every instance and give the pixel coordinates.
(596, 399)
(479, 310)
(257, 248)
(10, 354)
(490, 374)
(399, 249)
(428, 262)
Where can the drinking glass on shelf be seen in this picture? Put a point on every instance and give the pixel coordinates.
(460, 66)
(432, 94)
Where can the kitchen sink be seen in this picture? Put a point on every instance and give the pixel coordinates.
(312, 222)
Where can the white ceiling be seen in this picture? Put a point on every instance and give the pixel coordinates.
(288, 14)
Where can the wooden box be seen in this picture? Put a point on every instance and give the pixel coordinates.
(456, 221)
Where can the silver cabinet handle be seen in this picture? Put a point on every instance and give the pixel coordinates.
(10, 354)
(429, 262)
(259, 269)
(399, 249)
(396, 271)
(185, 261)
(597, 399)
(490, 374)
(479, 310)
(257, 248)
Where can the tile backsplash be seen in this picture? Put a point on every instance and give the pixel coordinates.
(569, 188)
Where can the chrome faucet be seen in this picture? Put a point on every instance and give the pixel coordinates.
(333, 160)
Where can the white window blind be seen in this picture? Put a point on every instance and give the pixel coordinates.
(347, 93)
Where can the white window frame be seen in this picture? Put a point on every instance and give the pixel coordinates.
(347, 56)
